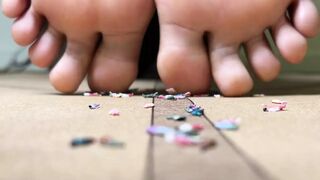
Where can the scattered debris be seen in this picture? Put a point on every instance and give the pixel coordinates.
(105, 93)
(180, 96)
(277, 101)
(214, 93)
(197, 127)
(185, 128)
(167, 97)
(76, 142)
(208, 144)
(228, 124)
(195, 110)
(89, 93)
(177, 118)
(276, 106)
(149, 105)
(184, 135)
(114, 112)
(120, 95)
(182, 140)
(115, 144)
(152, 95)
(104, 140)
(160, 130)
(94, 106)
(110, 142)
(172, 95)
(259, 95)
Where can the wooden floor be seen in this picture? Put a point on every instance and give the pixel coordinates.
(37, 124)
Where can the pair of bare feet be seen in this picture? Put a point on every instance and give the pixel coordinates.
(104, 39)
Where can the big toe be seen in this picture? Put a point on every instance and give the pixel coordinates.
(115, 65)
(183, 61)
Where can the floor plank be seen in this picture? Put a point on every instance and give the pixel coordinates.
(286, 144)
(37, 124)
(36, 129)
(173, 162)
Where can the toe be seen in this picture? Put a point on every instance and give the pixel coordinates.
(14, 8)
(46, 49)
(115, 65)
(292, 45)
(306, 18)
(26, 28)
(228, 71)
(262, 59)
(183, 61)
(71, 69)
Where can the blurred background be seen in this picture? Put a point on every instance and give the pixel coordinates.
(8, 48)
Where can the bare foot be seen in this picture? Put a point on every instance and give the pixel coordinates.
(186, 63)
(103, 39)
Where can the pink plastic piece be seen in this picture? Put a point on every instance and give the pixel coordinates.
(149, 105)
(114, 112)
(183, 141)
(88, 93)
(274, 108)
(197, 127)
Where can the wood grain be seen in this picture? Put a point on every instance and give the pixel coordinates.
(172, 162)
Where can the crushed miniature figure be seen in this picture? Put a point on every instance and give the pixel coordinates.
(103, 40)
